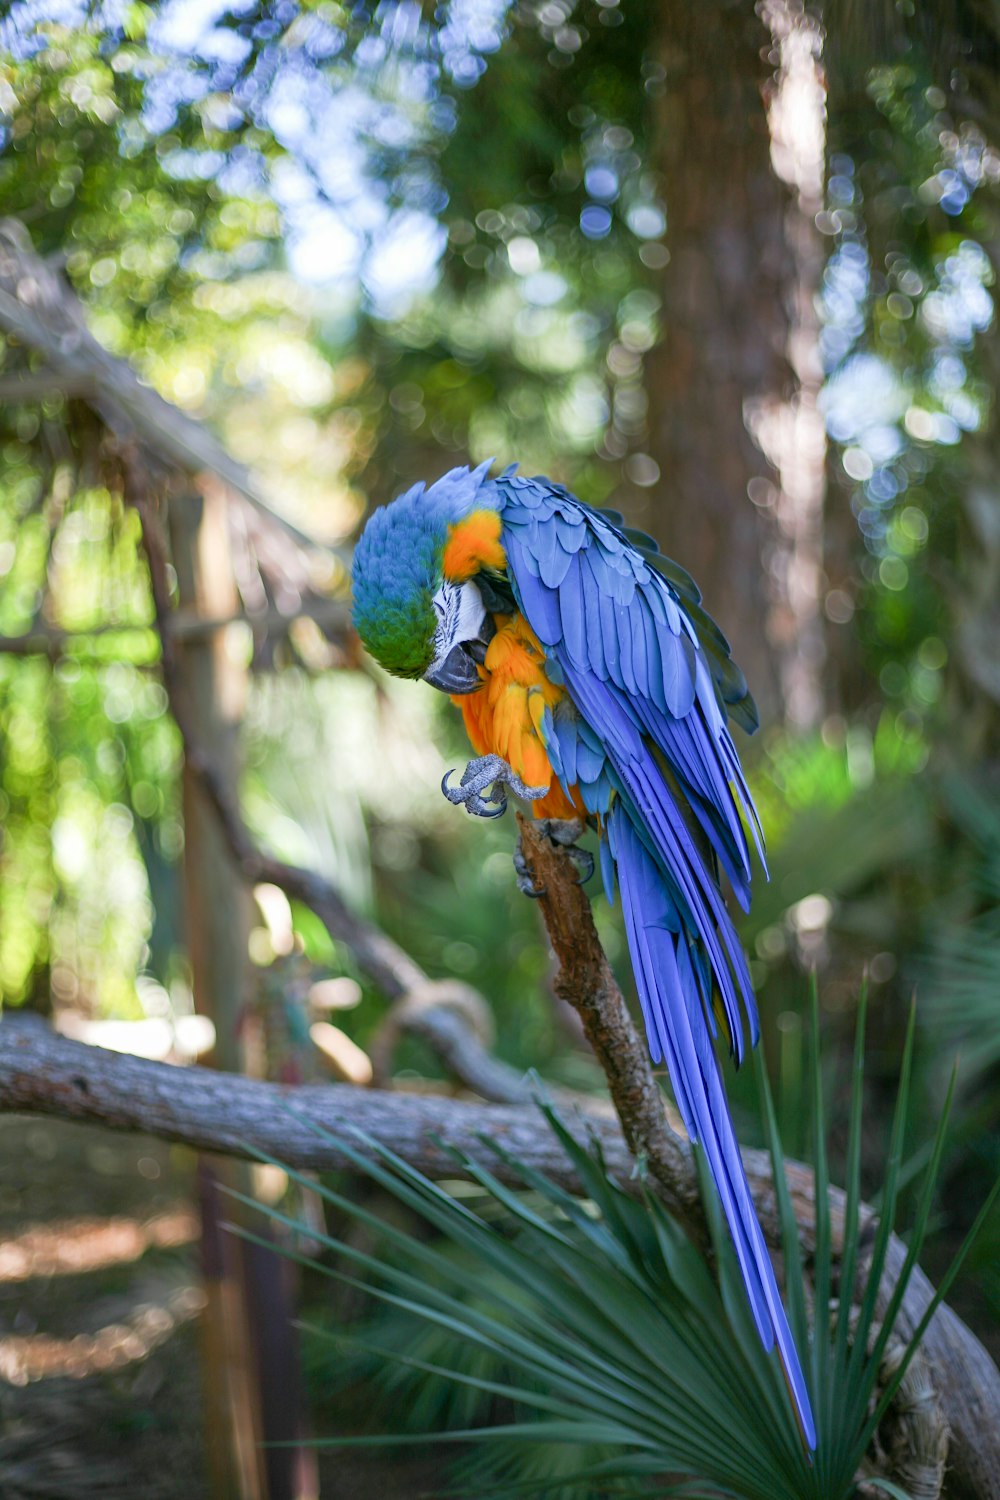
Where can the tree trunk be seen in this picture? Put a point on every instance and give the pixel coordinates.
(974, 678)
(739, 341)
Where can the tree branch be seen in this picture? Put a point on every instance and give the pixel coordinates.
(44, 1073)
(585, 980)
(424, 1006)
(41, 1073)
(40, 311)
(965, 1376)
(35, 385)
(46, 640)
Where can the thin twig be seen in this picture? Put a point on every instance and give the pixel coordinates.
(184, 626)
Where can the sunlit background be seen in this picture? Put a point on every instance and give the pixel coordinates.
(363, 244)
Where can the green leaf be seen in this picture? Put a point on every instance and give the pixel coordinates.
(887, 1485)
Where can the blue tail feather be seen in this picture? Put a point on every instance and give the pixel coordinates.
(673, 1010)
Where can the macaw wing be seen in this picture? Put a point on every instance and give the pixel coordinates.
(642, 733)
(735, 697)
(654, 729)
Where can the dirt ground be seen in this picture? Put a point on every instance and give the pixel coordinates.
(100, 1311)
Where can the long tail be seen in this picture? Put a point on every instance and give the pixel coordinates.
(674, 1013)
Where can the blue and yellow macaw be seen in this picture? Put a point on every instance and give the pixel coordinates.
(592, 682)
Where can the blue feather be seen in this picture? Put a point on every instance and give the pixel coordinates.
(590, 757)
(640, 692)
(642, 626)
(607, 870)
(624, 625)
(539, 604)
(571, 613)
(673, 1009)
(550, 740)
(565, 719)
(551, 559)
(609, 633)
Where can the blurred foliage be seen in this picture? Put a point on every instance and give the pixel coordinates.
(362, 241)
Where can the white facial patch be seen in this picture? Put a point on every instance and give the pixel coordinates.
(460, 611)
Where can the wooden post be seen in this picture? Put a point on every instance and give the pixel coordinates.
(250, 1352)
(217, 924)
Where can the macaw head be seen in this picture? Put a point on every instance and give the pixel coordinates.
(413, 610)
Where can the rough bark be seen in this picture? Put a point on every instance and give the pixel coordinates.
(43, 1073)
(725, 322)
(585, 980)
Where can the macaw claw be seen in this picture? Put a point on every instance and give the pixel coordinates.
(563, 832)
(488, 771)
(525, 880)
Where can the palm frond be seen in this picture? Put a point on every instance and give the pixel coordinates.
(593, 1344)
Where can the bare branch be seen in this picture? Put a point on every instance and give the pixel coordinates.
(40, 312)
(183, 624)
(35, 385)
(41, 1073)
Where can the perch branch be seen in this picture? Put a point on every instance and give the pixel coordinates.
(966, 1378)
(41, 1073)
(585, 980)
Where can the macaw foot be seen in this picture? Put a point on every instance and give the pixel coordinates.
(488, 771)
(563, 832)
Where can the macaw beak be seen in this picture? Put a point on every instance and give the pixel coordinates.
(457, 673)
(464, 634)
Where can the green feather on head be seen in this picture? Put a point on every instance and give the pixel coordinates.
(398, 570)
